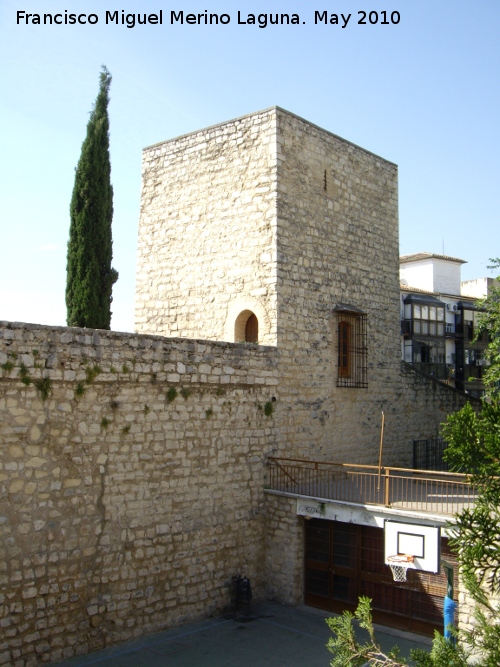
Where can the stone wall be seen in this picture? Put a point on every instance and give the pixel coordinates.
(269, 213)
(421, 408)
(132, 474)
(284, 564)
(467, 609)
(207, 247)
(337, 242)
(131, 484)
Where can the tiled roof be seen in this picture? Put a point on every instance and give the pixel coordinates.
(458, 297)
(428, 255)
(417, 290)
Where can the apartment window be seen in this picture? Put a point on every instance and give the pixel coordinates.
(352, 366)
(427, 319)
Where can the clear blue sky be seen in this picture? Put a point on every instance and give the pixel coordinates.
(424, 94)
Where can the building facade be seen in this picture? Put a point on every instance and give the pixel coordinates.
(439, 321)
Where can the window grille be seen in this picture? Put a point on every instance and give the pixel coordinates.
(352, 367)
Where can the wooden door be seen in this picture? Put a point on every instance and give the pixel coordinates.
(344, 561)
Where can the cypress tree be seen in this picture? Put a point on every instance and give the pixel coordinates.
(90, 277)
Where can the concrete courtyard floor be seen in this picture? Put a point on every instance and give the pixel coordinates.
(270, 635)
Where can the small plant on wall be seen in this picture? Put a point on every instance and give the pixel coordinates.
(44, 387)
(24, 375)
(36, 354)
(268, 408)
(80, 389)
(171, 394)
(91, 372)
(8, 366)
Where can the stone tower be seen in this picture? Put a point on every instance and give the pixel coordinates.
(270, 228)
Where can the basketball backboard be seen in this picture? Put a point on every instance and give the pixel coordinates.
(421, 542)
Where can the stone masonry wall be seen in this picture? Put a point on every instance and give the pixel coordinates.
(271, 214)
(467, 608)
(131, 484)
(207, 247)
(284, 550)
(337, 242)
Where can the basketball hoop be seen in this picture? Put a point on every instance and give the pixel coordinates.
(399, 566)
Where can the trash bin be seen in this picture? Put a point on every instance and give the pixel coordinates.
(243, 591)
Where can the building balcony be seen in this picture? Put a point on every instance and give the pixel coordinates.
(441, 493)
(426, 328)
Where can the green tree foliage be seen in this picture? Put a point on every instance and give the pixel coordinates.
(490, 322)
(474, 446)
(90, 277)
(473, 439)
(349, 651)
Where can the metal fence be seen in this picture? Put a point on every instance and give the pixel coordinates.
(440, 492)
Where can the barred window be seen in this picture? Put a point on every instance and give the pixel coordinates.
(352, 370)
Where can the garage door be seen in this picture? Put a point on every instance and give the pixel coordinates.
(344, 561)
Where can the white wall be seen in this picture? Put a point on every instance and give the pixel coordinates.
(478, 288)
(418, 274)
(433, 275)
(446, 277)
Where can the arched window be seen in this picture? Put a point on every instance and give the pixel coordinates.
(246, 327)
(252, 329)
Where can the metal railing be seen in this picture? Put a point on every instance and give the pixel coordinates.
(421, 490)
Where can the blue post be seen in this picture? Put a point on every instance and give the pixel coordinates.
(449, 616)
